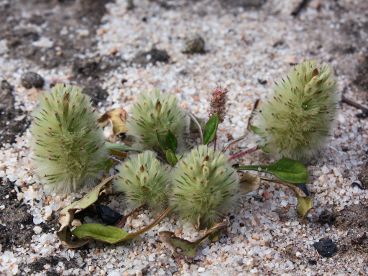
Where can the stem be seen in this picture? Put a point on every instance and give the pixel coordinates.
(354, 104)
(198, 125)
(298, 192)
(151, 225)
(120, 147)
(234, 142)
(245, 152)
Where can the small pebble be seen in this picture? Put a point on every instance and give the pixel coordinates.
(194, 45)
(37, 230)
(32, 79)
(326, 247)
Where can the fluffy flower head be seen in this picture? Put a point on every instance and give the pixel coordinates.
(144, 180)
(153, 115)
(205, 186)
(68, 146)
(296, 119)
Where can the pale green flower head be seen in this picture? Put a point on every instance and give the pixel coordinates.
(153, 115)
(205, 186)
(68, 146)
(144, 180)
(295, 121)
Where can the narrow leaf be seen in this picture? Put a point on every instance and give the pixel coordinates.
(99, 232)
(210, 129)
(285, 169)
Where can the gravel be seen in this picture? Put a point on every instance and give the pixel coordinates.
(243, 45)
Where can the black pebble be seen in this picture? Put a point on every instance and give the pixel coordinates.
(107, 215)
(32, 79)
(326, 247)
(327, 217)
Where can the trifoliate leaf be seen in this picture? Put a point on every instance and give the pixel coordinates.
(210, 129)
(285, 169)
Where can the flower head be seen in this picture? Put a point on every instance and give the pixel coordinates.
(68, 146)
(218, 103)
(296, 119)
(144, 180)
(205, 186)
(153, 116)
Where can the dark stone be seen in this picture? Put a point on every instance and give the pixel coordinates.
(327, 217)
(194, 45)
(32, 79)
(151, 57)
(107, 215)
(326, 247)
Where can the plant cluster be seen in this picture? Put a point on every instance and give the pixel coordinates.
(200, 185)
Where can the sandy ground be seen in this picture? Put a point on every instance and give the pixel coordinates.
(248, 44)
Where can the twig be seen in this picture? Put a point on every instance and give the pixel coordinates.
(198, 125)
(242, 153)
(354, 104)
(302, 5)
(226, 147)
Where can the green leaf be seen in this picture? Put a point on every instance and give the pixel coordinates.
(304, 205)
(210, 129)
(285, 169)
(171, 141)
(99, 232)
(167, 142)
(171, 157)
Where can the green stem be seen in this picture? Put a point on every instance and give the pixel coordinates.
(120, 147)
